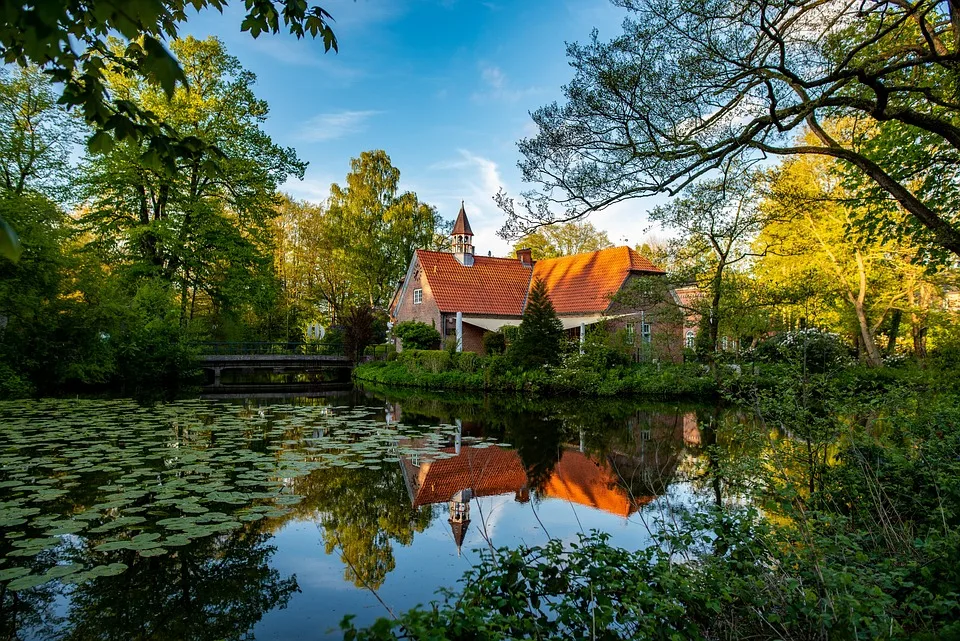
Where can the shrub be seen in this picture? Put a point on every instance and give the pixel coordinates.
(494, 343)
(417, 335)
(510, 333)
(468, 362)
(820, 351)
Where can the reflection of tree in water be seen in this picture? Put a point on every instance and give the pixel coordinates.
(29, 610)
(363, 512)
(642, 442)
(217, 587)
(539, 442)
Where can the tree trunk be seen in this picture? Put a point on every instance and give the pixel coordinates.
(894, 331)
(872, 352)
(919, 332)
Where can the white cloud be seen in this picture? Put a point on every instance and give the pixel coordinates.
(315, 190)
(493, 76)
(338, 124)
(498, 88)
(473, 179)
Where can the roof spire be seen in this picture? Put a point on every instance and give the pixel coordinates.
(462, 238)
(462, 226)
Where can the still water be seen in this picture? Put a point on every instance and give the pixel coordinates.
(273, 518)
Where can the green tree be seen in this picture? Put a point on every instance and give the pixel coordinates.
(205, 227)
(72, 42)
(540, 339)
(564, 239)
(36, 134)
(30, 289)
(35, 139)
(857, 280)
(691, 86)
(716, 220)
(376, 227)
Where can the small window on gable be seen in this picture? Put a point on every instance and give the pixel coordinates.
(691, 337)
(645, 334)
(631, 333)
(417, 296)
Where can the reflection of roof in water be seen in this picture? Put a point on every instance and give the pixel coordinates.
(493, 471)
(487, 471)
(579, 479)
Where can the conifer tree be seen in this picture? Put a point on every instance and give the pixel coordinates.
(540, 339)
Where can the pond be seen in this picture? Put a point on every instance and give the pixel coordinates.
(274, 518)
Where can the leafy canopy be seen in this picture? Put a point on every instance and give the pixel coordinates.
(71, 41)
(691, 86)
(564, 239)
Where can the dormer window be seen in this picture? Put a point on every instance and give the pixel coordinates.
(417, 296)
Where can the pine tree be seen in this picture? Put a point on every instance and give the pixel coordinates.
(540, 339)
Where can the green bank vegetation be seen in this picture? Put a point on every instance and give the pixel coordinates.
(834, 514)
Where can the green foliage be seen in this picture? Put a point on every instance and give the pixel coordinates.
(376, 227)
(494, 343)
(205, 227)
(637, 120)
(417, 335)
(73, 44)
(540, 338)
(439, 369)
(816, 350)
(566, 239)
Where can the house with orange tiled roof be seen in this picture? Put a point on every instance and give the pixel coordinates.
(463, 295)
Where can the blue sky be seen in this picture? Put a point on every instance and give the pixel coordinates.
(444, 86)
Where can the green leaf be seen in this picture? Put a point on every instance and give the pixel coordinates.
(9, 242)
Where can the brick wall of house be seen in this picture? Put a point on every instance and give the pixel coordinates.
(426, 312)
(666, 327)
(473, 338)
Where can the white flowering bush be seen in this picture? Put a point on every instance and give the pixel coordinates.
(819, 349)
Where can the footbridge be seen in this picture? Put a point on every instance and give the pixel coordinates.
(273, 358)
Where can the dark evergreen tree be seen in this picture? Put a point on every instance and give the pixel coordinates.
(540, 340)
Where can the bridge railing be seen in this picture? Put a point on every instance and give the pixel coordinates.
(239, 348)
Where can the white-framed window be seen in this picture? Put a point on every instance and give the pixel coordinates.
(417, 296)
(691, 338)
(725, 344)
(645, 334)
(631, 333)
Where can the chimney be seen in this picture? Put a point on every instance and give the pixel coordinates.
(525, 256)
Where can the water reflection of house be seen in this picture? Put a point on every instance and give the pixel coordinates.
(609, 484)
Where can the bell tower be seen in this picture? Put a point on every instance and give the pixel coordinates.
(462, 238)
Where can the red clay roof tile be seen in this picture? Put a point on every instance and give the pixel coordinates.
(584, 283)
(494, 286)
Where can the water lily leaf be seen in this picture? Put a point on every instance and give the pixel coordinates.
(27, 582)
(157, 551)
(13, 573)
(112, 569)
(59, 571)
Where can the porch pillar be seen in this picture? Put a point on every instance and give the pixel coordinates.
(459, 331)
